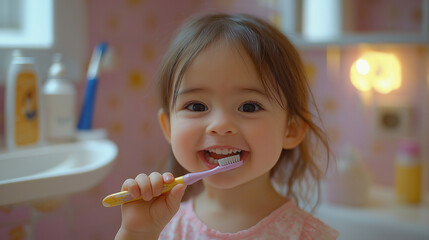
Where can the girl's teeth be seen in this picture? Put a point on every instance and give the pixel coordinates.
(224, 151)
(219, 151)
(212, 160)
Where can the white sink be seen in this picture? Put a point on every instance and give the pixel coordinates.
(381, 218)
(54, 170)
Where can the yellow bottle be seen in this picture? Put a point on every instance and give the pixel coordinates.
(22, 104)
(408, 171)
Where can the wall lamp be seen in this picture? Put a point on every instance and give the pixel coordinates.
(381, 71)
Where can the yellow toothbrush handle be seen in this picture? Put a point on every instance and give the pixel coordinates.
(119, 198)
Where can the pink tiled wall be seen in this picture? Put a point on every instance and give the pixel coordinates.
(127, 105)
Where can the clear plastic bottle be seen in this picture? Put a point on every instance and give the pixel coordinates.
(408, 171)
(22, 105)
(59, 101)
(351, 183)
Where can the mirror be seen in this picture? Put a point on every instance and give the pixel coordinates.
(315, 22)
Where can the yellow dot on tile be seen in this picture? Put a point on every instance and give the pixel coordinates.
(116, 128)
(150, 22)
(17, 233)
(276, 20)
(133, 3)
(49, 205)
(421, 51)
(136, 80)
(416, 16)
(330, 105)
(113, 102)
(310, 70)
(148, 52)
(6, 210)
(113, 23)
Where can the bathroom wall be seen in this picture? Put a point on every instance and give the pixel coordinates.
(127, 104)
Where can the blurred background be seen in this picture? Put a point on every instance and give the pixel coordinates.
(346, 51)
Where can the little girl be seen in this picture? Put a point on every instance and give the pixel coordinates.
(231, 84)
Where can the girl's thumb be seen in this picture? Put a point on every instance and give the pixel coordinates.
(175, 196)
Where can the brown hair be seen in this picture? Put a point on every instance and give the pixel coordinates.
(280, 69)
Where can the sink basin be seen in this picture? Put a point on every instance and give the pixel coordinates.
(381, 218)
(54, 170)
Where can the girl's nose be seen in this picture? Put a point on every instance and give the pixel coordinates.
(221, 125)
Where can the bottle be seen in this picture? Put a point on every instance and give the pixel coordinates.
(59, 100)
(408, 170)
(351, 183)
(22, 105)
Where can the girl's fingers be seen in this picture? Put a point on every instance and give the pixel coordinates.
(145, 186)
(132, 187)
(156, 181)
(168, 177)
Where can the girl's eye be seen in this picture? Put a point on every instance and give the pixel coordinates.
(196, 107)
(250, 107)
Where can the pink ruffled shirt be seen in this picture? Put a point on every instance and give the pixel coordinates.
(287, 222)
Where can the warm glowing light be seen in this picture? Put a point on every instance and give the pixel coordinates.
(380, 71)
(359, 80)
(362, 66)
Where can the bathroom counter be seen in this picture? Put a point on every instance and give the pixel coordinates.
(381, 218)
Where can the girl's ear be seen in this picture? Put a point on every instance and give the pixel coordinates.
(164, 121)
(294, 134)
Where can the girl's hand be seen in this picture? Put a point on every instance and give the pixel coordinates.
(149, 216)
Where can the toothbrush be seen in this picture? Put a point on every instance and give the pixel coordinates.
(225, 164)
(85, 120)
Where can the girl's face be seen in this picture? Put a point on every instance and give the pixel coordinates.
(222, 109)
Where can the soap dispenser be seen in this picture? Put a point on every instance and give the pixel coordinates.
(59, 100)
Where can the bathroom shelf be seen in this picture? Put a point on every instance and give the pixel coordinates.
(306, 28)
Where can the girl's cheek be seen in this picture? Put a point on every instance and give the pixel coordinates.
(184, 132)
(185, 144)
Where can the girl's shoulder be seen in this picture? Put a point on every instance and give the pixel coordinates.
(288, 221)
(303, 224)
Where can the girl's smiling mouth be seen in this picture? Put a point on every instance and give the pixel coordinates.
(210, 156)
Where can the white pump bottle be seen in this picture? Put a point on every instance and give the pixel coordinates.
(59, 97)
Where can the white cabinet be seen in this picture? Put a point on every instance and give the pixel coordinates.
(341, 22)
